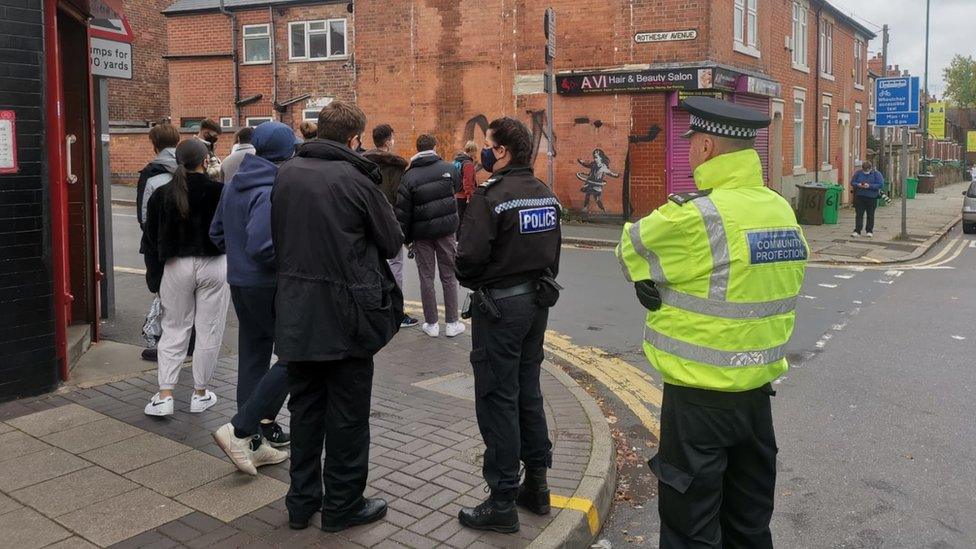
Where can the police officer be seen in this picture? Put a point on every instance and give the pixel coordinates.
(719, 271)
(508, 251)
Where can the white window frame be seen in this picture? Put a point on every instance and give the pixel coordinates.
(825, 124)
(859, 68)
(250, 120)
(266, 36)
(745, 27)
(226, 122)
(801, 37)
(315, 115)
(826, 53)
(327, 31)
(799, 123)
(858, 113)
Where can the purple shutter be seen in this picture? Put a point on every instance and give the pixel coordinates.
(762, 140)
(680, 175)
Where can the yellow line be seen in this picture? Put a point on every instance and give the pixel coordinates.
(936, 257)
(949, 259)
(582, 505)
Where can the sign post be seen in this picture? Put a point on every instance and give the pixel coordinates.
(898, 102)
(550, 89)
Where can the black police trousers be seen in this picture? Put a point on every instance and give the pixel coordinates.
(716, 468)
(329, 402)
(506, 357)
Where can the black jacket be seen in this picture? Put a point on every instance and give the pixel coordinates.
(391, 168)
(167, 235)
(333, 231)
(511, 232)
(426, 207)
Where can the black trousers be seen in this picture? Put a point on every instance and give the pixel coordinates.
(507, 357)
(267, 387)
(716, 469)
(863, 205)
(329, 402)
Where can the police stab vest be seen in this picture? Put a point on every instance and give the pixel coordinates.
(729, 263)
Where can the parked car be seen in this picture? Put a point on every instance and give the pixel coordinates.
(969, 210)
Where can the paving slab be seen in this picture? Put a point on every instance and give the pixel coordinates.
(74, 491)
(7, 505)
(38, 467)
(26, 529)
(123, 516)
(234, 495)
(73, 542)
(16, 444)
(4, 428)
(55, 420)
(92, 435)
(133, 453)
(181, 473)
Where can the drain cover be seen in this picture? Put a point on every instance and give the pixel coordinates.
(459, 385)
(846, 251)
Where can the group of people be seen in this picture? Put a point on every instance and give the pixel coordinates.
(306, 238)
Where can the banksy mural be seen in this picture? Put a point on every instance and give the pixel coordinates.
(595, 180)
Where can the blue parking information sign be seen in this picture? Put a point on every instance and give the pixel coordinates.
(897, 101)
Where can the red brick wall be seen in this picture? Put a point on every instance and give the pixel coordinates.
(130, 151)
(146, 96)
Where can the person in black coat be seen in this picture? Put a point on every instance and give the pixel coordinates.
(337, 306)
(428, 215)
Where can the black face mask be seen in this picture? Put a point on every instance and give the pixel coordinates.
(488, 160)
(211, 139)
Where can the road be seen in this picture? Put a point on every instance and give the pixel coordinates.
(874, 419)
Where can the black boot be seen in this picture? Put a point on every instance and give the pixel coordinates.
(533, 494)
(497, 514)
(371, 511)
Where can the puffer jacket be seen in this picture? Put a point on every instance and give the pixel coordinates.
(425, 206)
(391, 168)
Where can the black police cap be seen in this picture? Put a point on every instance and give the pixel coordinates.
(717, 117)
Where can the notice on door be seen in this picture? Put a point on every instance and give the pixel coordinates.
(111, 59)
(8, 142)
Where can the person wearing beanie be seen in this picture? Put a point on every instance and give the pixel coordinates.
(242, 228)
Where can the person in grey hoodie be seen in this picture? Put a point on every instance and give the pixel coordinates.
(242, 147)
(242, 227)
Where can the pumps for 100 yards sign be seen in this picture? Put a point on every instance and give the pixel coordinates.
(111, 59)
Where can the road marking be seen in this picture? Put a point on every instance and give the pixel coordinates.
(844, 277)
(972, 243)
(952, 257)
(130, 270)
(132, 215)
(894, 273)
(960, 338)
(804, 296)
(940, 255)
(827, 285)
(582, 505)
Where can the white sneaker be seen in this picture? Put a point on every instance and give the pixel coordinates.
(200, 403)
(268, 455)
(454, 329)
(855, 234)
(159, 406)
(870, 235)
(237, 449)
(433, 330)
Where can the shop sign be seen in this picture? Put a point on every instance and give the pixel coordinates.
(636, 81)
(759, 86)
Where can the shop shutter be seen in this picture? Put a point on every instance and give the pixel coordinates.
(762, 140)
(680, 176)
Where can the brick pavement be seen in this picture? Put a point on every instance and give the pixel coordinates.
(85, 466)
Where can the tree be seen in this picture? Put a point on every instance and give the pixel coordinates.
(960, 79)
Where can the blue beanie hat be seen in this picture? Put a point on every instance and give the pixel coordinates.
(274, 141)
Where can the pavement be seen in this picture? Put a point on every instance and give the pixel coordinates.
(930, 216)
(85, 467)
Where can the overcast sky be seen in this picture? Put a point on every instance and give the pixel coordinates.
(953, 30)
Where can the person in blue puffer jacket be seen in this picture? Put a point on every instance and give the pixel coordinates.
(242, 227)
(866, 186)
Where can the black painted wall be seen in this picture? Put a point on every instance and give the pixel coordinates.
(28, 362)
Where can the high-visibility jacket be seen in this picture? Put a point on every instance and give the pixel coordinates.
(729, 263)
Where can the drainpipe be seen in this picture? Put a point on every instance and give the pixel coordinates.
(274, 62)
(235, 58)
(817, 121)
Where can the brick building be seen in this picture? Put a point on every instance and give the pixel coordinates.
(145, 97)
(622, 68)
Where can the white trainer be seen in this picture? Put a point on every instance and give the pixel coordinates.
(855, 234)
(159, 406)
(454, 329)
(870, 235)
(268, 455)
(237, 449)
(433, 330)
(200, 403)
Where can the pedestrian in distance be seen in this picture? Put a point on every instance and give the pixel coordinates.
(242, 147)
(464, 164)
(719, 271)
(866, 184)
(509, 254)
(158, 172)
(308, 129)
(337, 305)
(189, 273)
(242, 228)
(392, 168)
(428, 216)
(209, 134)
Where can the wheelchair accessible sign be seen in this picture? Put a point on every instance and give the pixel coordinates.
(897, 101)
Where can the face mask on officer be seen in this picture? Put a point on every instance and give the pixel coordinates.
(488, 159)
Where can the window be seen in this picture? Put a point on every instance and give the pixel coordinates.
(798, 105)
(192, 124)
(799, 35)
(745, 27)
(315, 40)
(825, 135)
(226, 122)
(257, 44)
(310, 115)
(858, 62)
(255, 121)
(857, 131)
(826, 48)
